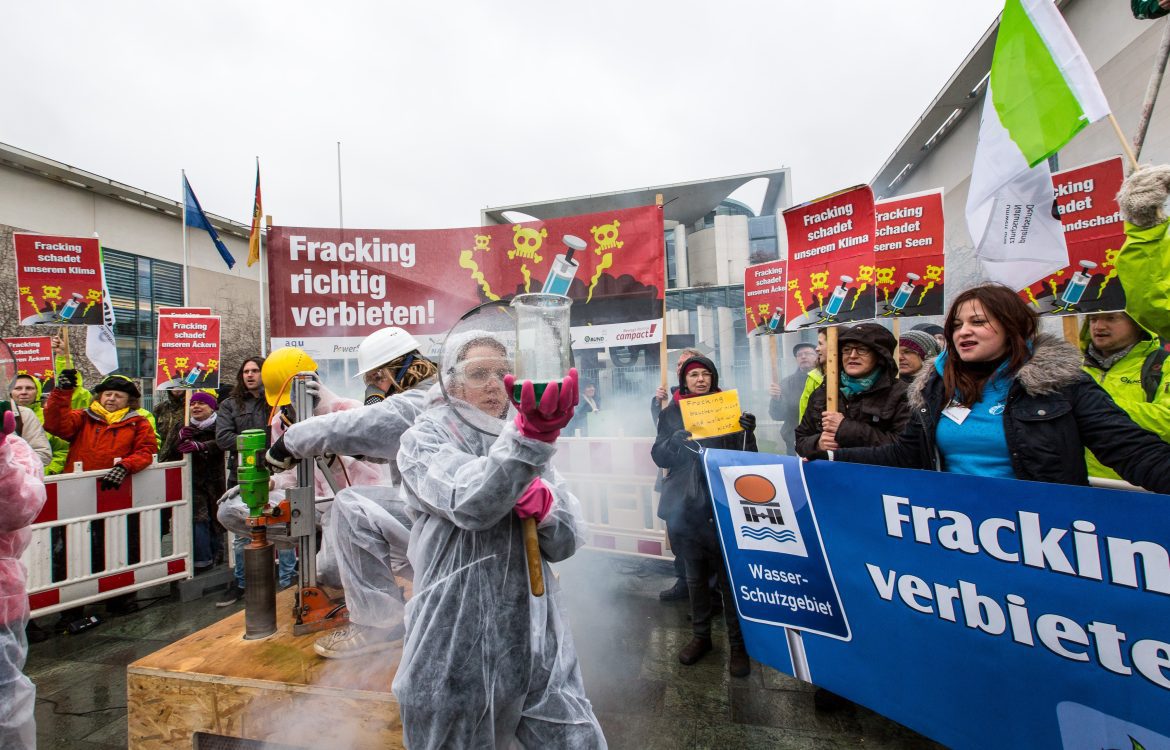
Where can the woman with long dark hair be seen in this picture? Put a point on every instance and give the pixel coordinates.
(1006, 401)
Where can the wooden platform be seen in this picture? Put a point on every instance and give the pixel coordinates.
(276, 689)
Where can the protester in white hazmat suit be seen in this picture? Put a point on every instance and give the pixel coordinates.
(22, 493)
(369, 527)
(278, 369)
(485, 663)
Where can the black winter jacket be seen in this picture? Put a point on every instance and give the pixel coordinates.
(207, 478)
(874, 417)
(685, 502)
(233, 419)
(1053, 412)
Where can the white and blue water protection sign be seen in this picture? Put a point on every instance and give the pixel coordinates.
(779, 573)
(984, 612)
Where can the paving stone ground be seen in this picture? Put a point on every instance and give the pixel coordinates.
(626, 638)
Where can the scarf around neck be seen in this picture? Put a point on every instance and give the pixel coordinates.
(111, 417)
(853, 386)
(1106, 362)
(679, 395)
(205, 423)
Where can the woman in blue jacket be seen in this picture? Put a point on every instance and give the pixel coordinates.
(1005, 401)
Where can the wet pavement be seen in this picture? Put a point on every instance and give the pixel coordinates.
(627, 640)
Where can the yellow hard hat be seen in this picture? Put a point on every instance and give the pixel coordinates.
(277, 372)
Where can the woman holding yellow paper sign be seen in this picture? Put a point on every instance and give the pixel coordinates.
(686, 507)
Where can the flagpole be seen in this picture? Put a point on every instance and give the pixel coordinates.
(1133, 162)
(263, 269)
(186, 260)
(340, 214)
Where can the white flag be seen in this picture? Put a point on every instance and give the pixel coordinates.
(1041, 93)
(99, 340)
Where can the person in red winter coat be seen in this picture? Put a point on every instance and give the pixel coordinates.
(110, 434)
(22, 493)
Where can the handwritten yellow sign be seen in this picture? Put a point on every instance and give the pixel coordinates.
(709, 416)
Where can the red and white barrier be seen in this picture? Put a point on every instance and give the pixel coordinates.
(74, 501)
(614, 479)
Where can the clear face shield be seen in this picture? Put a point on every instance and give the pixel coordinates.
(476, 354)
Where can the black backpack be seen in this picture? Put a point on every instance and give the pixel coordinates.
(1152, 372)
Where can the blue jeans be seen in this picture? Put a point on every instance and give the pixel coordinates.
(205, 544)
(286, 563)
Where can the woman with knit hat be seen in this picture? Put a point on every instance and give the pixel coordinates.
(686, 507)
(873, 407)
(109, 435)
(914, 349)
(197, 440)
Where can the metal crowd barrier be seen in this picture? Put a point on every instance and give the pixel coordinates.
(74, 502)
(614, 479)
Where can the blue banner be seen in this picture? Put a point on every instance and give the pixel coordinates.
(981, 612)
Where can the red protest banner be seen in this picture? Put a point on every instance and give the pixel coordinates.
(763, 296)
(329, 288)
(33, 355)
(909, 254)
(58, 279)
(830, 259)
(1086, 198)
(184, 311)
(188, 352)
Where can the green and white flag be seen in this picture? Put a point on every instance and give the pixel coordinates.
(1041, 93)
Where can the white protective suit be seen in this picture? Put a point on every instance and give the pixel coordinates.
(485, 663)
(22, 493)
(368, 528)
(233, 513)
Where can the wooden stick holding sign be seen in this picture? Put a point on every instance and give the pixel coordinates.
(1072, 329)
(832, 363)
(662, 349)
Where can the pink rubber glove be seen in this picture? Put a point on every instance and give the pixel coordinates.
(545, 420)
(10, 420)
(536, 501)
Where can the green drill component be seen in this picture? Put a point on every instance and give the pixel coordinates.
(252, 471)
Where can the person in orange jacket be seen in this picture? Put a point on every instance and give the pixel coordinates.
(109, 434)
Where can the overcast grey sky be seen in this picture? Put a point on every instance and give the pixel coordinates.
(443, 108)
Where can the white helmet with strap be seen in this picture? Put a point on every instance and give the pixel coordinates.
(382, 347)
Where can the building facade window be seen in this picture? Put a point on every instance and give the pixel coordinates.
(138, 287)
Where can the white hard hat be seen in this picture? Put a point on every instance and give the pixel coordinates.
(382, 347)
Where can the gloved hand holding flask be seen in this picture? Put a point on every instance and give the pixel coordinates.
(544, 420)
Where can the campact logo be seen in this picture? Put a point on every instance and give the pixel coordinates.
(637, 334)
(761, 509)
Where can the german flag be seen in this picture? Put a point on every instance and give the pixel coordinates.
(257, 212)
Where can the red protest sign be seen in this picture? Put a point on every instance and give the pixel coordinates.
(1094, 232)
(184, 311)
(763, 296)
(33, 355)
(58, 279)
(909, 254)
(830, 260)
(329, 288)
(188, 352)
